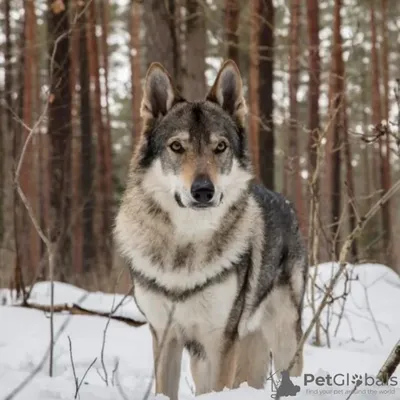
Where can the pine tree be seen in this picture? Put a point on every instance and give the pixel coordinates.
(295, 189)
(87, 162)
(232, 13)
(265, 92)
(254, 83)
(135, 55)
(195, 82)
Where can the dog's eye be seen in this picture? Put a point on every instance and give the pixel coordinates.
(176, 147)
(221, 147)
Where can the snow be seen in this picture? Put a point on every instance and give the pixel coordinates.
(369, 328)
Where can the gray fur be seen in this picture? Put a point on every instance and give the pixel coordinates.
(232, 271)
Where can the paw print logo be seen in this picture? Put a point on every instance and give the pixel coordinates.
(356, 380)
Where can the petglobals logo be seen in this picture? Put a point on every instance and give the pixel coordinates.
(346, 380)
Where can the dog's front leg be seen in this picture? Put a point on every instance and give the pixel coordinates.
(167, 352)
(214, 369)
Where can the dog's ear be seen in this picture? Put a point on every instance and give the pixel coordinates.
(227, 91)
(159, 94)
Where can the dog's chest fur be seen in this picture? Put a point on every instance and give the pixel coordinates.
(186, 270)
(196, 316)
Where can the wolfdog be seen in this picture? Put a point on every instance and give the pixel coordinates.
(217, 261)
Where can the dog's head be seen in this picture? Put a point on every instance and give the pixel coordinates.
(194, 154)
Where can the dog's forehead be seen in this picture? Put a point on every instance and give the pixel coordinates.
(197, 121)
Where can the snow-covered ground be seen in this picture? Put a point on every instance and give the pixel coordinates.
(368, 329)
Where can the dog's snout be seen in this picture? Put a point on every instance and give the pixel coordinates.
(202, 189)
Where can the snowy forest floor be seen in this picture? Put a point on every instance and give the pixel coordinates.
(360, 338)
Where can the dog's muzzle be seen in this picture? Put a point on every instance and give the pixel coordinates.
(202, 191)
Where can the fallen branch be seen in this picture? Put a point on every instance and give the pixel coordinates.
(75, 309)
(390, 364)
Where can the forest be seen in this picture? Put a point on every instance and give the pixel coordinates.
(321, 81)
(322, 86)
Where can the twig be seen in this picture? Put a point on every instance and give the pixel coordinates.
(390, 364)
(78, 385)
(73, 366)
(84, 376)
(114, 371)
(119, 387)
(372, 314)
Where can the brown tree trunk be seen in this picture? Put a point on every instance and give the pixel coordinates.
(295, 187)
(254, 82)
(8, 245)
(76, 156)
(351, 193)
(28, 178)
(232, 13)
(265, 91)
(87, 164)
(59, 129)
(161, 37)
(108, 185)
(103, 161)
(314, 80)
(136, 86)
(336, 127)
(195, 78)
(313, 126)
(385, 141)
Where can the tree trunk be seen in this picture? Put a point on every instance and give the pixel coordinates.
(103, 164)
(196, 41)
(8, 249)
(107, 138)
(87, 164)
(161, 37)
(351, 193)
(136, 85)
(335, 131)
(314, 80)
(313, 126)
(28, 178)
(232, 13)
(76, 156)
(295, 186)
(254, 82)
(385, 142)
(265, 91)
(59, 129)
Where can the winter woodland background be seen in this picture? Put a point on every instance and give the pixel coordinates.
(320, 79)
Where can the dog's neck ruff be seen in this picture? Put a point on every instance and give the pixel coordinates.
(174, 257)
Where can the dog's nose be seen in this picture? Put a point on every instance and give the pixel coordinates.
(202, 189)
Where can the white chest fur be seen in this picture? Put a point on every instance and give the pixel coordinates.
(197, 315)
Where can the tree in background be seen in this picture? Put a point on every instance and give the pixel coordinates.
(295, 186)
(87, 162)
(265, 93)
(135, 56)
(232, 12)
(254, 83)
(335, 131)
(7, 251)
(196, 41)
(59, 128)
(313, 126)
(162, 39)
(377, 103)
